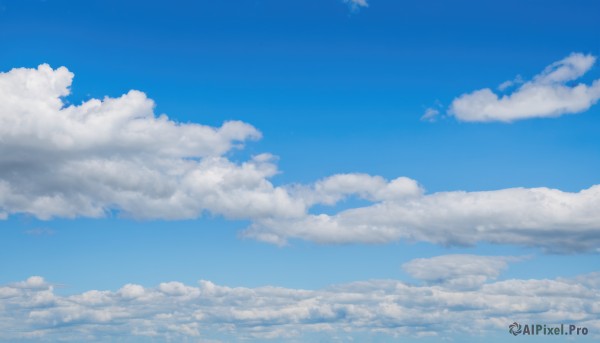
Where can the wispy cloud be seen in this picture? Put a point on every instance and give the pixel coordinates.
(430, 114)
(510, 83)
(548, 94)
(173, 311)
(356, 4)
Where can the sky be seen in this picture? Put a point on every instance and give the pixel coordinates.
(292, 171)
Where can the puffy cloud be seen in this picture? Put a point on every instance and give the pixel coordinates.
(174, 311)
(548, 94)
(554, 220)
(115, 153)
(33, 282)
(35, 117)
(131, 291)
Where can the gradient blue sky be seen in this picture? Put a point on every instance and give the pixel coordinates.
(333, 89)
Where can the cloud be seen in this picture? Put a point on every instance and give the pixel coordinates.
(116, 155)
(458, 271)
(548, 94)
(430, 114)
(356, 4)
(557, 221)
(335, 188)
(510, 83)
(174, 311)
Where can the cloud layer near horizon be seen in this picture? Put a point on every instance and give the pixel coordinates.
(116, 154)
(548, 94)
(174, 311)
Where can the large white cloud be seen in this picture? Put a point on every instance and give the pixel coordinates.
(549, 94)
(116, 154)
(173, 311)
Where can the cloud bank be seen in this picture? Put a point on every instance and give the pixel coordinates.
(117, 155)
(548, 94)
(173, 311)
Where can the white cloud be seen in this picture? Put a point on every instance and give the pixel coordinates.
(34, 117)
(378, 306)
(115, 154)
(131, 291)
(548, 94)
(33, 282)
(540, 217)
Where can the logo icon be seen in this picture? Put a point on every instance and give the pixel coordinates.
(514, 328)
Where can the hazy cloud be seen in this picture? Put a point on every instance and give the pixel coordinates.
(356, 4)
(430, 114)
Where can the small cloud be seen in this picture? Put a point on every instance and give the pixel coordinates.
(356, 4)
(33, 282)
(548, 94)
(430, 115)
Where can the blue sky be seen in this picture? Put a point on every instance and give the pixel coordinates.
(324, 173)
